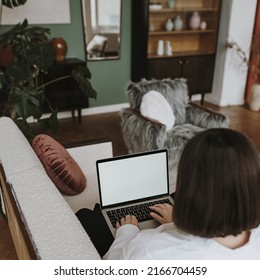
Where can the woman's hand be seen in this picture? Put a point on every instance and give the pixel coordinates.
(163, 213)
(128, 219)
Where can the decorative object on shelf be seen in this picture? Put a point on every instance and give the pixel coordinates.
(178, 23)
(151, 27)
(254, 70)
(171, 4)
(194, 21)
(155, 6)
(160, 47)
(203, 25)
(169, 25)
(6, 55)
(254, 103)
(168, 48)
(60, 48)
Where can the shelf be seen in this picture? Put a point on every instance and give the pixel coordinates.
(181, 32)
(179, 54)
(184, 10)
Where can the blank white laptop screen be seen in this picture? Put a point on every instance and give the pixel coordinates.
(133, 177)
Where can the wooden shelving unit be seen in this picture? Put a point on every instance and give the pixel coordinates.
(187, 39)
(194, 50)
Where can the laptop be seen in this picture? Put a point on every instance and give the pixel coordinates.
(133, 181)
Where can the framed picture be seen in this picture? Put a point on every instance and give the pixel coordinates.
(38, 12)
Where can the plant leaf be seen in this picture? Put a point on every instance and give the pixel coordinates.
(10, 35)
(82, 75)
(2, 79)
(26, 102)
(51, 123)
(18, 71)
(42, 55)
(13, 3)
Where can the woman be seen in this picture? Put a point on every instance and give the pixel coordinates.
(217, 206)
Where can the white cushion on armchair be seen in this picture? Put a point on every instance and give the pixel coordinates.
(155, 106)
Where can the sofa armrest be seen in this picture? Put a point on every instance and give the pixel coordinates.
(140, 133)
(203, 117)
(21, 239)
(42, 224)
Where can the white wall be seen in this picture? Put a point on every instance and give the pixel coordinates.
(237, 23)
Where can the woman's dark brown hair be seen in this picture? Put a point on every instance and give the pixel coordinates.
(218, 185)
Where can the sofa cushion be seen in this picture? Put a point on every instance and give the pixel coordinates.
(154, 106)
(59, 165)
(175, 92)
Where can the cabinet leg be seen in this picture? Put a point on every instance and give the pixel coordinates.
(202, 99)
(79, 115)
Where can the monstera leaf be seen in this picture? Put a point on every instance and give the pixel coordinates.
(50, 123)
(13, 3)
(26, 103)
(18, 72)
(82, 75)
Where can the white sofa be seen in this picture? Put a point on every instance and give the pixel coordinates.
(42, 221)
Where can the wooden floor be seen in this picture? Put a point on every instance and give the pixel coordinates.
(107, 125)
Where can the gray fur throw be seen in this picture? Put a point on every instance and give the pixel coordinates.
(205, 118)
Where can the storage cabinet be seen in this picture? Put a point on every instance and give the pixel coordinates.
(65, 94)
(198, 70)
(193, 49)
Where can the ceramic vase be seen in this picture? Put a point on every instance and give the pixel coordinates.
(160, 47)
(169, 25)
(60, 48)
(195, 21)
(171, 4)
(151, 27)
(6, 55)
(254, 103)
(168, 48)
(203, 25)
(178, 23)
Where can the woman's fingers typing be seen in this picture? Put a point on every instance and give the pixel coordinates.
(128, 219)
(163, 213)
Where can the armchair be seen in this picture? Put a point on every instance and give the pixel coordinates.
(143, 132)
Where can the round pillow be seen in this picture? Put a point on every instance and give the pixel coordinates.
(59, 165)
(155, 106)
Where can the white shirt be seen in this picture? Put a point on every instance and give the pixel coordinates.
(167, 242)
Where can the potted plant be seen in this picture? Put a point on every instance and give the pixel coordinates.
(21, 86)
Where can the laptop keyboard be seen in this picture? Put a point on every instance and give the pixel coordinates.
(141, 211)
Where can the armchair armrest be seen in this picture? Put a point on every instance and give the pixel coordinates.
(140, 133)
(206, 118)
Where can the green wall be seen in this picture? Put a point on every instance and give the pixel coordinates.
(109, 78)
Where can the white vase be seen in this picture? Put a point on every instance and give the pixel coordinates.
(254, 103)
(171, 4)
(178, 23)
(195, 21)
(160, 47)
(168, 48)
(151, 27)
(169, 25)
(203, 25)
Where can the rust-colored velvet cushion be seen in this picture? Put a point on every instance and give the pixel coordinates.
(59, 165)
